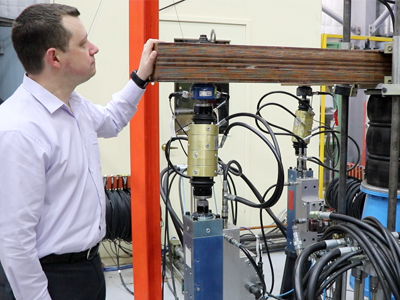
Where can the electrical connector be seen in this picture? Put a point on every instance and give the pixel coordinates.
(331, 244)
(224, 137)
(319, 215)
(231, 240)
(297, 241)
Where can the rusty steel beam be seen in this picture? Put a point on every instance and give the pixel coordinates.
(184, 62)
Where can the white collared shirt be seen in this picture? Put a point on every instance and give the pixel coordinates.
(51, 189)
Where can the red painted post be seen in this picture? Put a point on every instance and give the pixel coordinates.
(144, 142)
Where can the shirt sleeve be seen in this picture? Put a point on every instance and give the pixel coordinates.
(22, 183)
(109, 120)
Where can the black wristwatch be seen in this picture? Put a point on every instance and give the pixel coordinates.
(139, 82)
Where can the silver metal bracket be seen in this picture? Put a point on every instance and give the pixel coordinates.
(391, 89)
(387, 80)
(352, 92)
(388, 48)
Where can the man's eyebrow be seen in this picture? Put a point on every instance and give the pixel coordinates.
(84, 39)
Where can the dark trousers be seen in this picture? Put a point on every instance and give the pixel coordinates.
(68, 281)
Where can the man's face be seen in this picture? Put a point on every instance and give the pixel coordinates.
(78, 60)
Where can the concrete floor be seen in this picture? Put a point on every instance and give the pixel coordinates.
(116, 290)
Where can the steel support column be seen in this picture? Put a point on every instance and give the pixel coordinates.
(144, 143)
(394, 139)
(340, 292)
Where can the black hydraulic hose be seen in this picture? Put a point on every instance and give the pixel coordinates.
(165, 197)
(269, 256)
(261, 200)
(391, 240)
(253, 263)
(327, 283)
(285, 93)
(288, 132)
(280, 181)
(343, 260)
(359, 223)
(353, 140)
(228, 168)
(175, 219)
(167, 153)
(316, 271)
(299, 267)
(260, 119)
(384, 265)
(371, 252)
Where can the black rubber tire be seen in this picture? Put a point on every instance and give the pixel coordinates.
(377, 171)
(379, 109)
(378, 139)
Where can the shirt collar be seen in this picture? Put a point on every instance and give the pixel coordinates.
(47, 99)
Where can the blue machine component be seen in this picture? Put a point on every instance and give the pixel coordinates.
(376, 205)
(203, 91)
(203, 244)
(295, 206)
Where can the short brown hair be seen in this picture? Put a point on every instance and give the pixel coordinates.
(38, 28)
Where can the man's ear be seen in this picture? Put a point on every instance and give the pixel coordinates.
(52, 57)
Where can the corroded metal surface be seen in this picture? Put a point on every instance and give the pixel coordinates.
(184, 62)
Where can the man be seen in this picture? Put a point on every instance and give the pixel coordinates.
(52, 203)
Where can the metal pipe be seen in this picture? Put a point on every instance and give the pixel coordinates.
(340, 292)
(344, 133)
(394, 139)
(346, 24)
(378, 22)
(334, 15)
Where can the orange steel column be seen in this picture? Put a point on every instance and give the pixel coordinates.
(144, 142)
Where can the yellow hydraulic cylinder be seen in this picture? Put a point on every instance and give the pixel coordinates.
(202, 150)
(302, 125)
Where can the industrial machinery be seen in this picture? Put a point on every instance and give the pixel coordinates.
(211, 246)
(323, 243)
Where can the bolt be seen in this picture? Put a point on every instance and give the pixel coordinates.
(207, 145)
(390, 48)
(195, 155)
(208, 230)
(194, 172)
(208, 128)
(198, 289)
(384, 90)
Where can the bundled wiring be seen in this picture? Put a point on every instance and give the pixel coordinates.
(118, 214)
(165, 191)
(168, 153)
(287, 131)
(280, 180)
(317, 161)
(355, 198)
(367, 242)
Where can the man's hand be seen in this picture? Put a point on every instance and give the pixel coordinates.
(146, 65)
